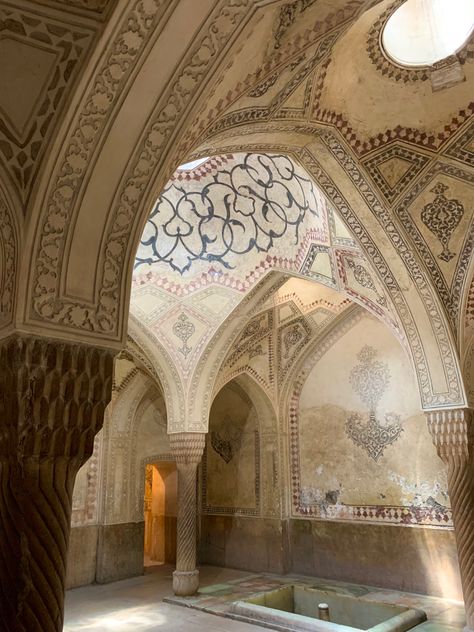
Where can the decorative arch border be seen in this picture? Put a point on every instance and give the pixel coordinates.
(9, 254)
(161, 366)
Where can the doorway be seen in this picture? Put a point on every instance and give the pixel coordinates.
(161, 502)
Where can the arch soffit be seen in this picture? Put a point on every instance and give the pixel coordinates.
(89, 299)
(327, 159)
(259, 397)
(201, 387)
(159, 364)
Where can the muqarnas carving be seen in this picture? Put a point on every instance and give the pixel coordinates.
(370, 379)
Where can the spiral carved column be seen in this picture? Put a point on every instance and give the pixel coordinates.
(188, 448)
(453, 435)
(52, 401)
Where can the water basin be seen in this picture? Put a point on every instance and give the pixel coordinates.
(295, 607)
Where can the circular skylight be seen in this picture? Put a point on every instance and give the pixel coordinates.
(421, 32)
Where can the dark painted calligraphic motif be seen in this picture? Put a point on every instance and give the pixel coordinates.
(244, 208)
(226, 443)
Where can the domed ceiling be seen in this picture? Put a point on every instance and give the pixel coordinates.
(219, 229)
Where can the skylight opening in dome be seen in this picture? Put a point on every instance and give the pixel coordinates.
(189, 166)
(422, 32)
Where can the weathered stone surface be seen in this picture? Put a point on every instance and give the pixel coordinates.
(413, 559)
(119, 551)
(82, 556)
(253, 544)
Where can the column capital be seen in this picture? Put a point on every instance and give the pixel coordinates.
(452, 432)
(188, 447)
(52, 396)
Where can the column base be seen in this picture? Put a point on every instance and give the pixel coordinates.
(185, 583)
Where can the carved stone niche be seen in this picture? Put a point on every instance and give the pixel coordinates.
(52, 401)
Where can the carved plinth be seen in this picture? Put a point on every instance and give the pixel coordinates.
(452, 433)
(188, 449)
(52, 401)
(185, 583)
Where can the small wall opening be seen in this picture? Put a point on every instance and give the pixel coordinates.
(161, 500)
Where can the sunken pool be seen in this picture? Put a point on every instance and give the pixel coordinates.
(297, 607)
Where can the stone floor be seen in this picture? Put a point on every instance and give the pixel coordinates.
(137, 604)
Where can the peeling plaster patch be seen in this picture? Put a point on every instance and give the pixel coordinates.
(418, 494)
(321, 498)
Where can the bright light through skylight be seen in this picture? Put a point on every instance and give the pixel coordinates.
(421, 32)
(189, 166)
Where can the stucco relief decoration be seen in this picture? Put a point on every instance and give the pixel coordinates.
(227, 444)
(256, 351)
(56, 50)
(364, 278)
(245, 208)
(184, 329)
(287, 16)
(370, 379)
(292, 337)
(442, 217)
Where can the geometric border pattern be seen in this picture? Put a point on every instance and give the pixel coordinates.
(418, 162)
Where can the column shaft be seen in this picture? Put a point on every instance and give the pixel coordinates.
(452, 435)
(461, 494)
(188, 449)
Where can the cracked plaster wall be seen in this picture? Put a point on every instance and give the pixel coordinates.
(349, 462)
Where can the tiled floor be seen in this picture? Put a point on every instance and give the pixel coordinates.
(137, 604)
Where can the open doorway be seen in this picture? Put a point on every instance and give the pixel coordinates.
(161, 498)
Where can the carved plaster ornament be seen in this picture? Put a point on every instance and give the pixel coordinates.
(364, 278)
(287, 16)
(256, 351)
(291, 337)
(370, 379)
(184, 329)
(442, 217)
